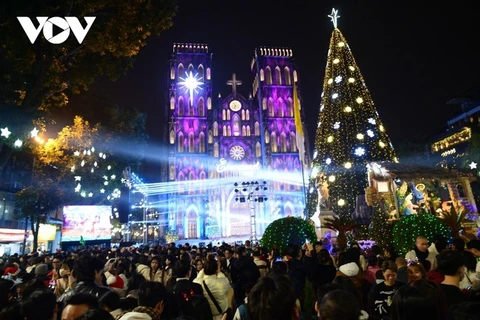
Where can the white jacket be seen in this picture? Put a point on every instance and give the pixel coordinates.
(219, 286)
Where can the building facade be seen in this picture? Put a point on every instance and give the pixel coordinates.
(233, 163)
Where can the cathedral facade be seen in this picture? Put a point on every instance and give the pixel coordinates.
(233, 163)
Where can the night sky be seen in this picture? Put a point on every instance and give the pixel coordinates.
(414, 58)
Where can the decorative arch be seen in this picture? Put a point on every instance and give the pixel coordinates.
(267, 136)
(249, 132)
(208, 74)
(224, 114)
(215, 129)
(224, 131)
(244, 131)
(247, 115)
(209, 103)
(190, 69)
(243, 114)
(172, 136)
(172, 73)
(278, 76)
(257, 128)
(287, 76)
(172, 103)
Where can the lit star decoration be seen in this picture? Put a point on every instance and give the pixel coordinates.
(334, 17)
(191, 84)
(97, 178)
(5, 132)
(473, 165)
(34, 133)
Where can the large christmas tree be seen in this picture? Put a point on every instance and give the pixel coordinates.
(350, 132)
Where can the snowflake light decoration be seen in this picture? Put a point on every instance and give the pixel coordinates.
(359, 151)
(372, 121)
(338, 79)
(336, 125)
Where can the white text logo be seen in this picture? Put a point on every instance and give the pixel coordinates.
(63, 24)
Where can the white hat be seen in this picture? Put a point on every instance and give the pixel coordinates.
(349, 269)
(134, 315)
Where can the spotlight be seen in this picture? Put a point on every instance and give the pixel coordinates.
(236, 190)
(236, 199)
(242, 199)
(244, 189)
(236, 184)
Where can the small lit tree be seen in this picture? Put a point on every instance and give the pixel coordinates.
(287, 231)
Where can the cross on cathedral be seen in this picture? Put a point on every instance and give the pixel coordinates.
(234, 83)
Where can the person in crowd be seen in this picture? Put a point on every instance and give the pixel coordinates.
(65, 280)
(111, 302)
(40, 305)
(273, 298)
(451, 264)
(372, 268)
(215, 287)
(458, 244)
(261, 264)
(87, 272)
(381, 296)
(77, 304)
(415, 271)
(410, 303)
(332, 306)
(246, 271)
(182, 284)
(402, 270)
(96, 314)
(151, 302)
(420, 253)
(469, 281)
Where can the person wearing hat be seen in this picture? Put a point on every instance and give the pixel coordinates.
(41, 272)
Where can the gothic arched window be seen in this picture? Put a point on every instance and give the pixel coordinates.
(257, 128)
(236, 124)
(274, 142)
(215, 129)
(209, 103)
(249, 133)
(258, 150)
(288, 77)
(208, 74)
(262, 75)
(180, 142)
(216, 152)
(201, 73)
(290, 108)
(172, 137)
(281, 107)
(181, 70)
(247, 115)
(201, 107)
(268, 75)
(201, 142)
(180, 106)
(283, 142)
(267, 137)
(172, 172)
(271, 110)
(210, 136)
(293, 142)
(264, 103)
(172, 103)
(278, 76)
(191, 142)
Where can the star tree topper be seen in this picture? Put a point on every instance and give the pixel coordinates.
(334, 16)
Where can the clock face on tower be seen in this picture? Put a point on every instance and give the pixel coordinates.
(235, 105)
(237, 153)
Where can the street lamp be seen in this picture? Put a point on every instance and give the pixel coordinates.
(252, 192)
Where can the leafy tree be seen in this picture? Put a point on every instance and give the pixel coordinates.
(36, 202)
(43, 75)
(341, 224)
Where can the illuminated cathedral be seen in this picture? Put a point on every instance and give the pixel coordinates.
(234, 163)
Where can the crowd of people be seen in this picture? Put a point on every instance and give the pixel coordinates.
(437, 280)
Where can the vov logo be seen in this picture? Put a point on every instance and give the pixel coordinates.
(62, 25)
